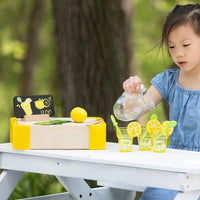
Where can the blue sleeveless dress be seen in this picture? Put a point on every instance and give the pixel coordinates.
(184, 106)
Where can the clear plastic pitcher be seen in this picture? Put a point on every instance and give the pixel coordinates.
(129, 106)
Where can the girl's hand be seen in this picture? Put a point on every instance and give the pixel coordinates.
(132, 84)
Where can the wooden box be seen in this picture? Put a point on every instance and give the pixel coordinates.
(91, 134)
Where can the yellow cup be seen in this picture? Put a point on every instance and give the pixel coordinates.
(124, 139)
(159, 144)
(145, 140)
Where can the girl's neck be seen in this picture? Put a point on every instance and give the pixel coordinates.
(189, 79)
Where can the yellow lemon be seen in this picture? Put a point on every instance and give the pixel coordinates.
(39, 104)
(78, 114)
(167, 132)
(134, 128)
(153, 126)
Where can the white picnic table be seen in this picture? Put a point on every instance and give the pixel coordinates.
(119, 174)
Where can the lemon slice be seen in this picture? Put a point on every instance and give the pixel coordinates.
(134, 128)
(153, 126)
(167, 132)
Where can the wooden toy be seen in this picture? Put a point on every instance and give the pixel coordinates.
(32, 128)
(61, 133)
(44, 118)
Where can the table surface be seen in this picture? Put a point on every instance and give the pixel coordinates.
(172, 160)
(175, 169)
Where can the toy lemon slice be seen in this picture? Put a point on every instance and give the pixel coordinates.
(134, 129)
(153, 126)
(167, 127)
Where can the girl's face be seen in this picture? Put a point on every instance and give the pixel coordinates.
(184, 48)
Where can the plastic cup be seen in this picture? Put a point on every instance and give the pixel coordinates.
(145, 140)
(159, 144)
(124, 139)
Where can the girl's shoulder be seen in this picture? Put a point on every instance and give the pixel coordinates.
(172, 72)
(165, 81)
(169, 76)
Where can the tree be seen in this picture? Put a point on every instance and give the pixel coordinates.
(29, 62)
(93, 54)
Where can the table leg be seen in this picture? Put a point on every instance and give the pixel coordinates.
(191, 195)
(103, 193)
(8, 181)
(119, 194)
(79, 189)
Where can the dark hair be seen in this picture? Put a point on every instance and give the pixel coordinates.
(181, 15)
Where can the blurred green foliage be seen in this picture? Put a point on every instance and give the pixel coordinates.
(32, 185)
(148, 18)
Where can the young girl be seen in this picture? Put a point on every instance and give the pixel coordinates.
(180, 87)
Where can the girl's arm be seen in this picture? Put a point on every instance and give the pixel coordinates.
(155, 94)
(133, 85)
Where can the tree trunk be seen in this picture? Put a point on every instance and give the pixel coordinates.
(29, 62)
(32, 43)
(93, 54)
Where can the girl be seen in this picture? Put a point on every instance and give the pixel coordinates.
(180, 87)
